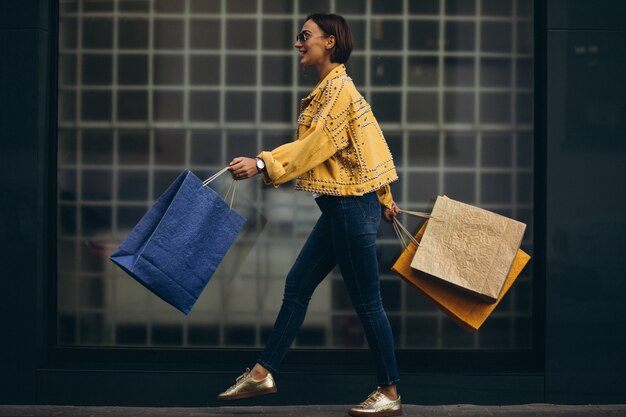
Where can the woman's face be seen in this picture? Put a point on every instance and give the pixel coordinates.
(317, 48)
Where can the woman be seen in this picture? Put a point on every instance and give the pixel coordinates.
(341, 156)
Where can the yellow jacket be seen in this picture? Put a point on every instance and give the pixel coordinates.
(339, 148)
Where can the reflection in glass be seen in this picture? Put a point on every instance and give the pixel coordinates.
(148, 88)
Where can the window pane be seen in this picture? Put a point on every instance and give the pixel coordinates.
(496, 37)
(278, 70)
(150, 88)
(238, 34)
(132, 69)
(459, 71)
(386, 71)
(241, 70)
(460, 7)
(204, 34)
(460, 36)
(96, 105)
(169, 34)
(168, 106)
(132, 105)
(97, 33)
(386, 34)
(423, 71)
(424, 35)
(422, 108)
(133, 33)
(168, 69)
(97, 69)
(204, 70)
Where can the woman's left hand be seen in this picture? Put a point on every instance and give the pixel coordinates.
(242, 167)
(392, 212)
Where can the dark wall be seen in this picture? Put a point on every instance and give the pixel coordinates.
(580, 148)
(586, 201)
(25, 142)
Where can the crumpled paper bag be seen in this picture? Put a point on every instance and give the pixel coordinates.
(467, 311)
(469, 247)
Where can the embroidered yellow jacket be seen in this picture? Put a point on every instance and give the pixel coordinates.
(339, 147)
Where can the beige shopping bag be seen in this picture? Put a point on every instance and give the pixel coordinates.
(467, 311)
(469, 247)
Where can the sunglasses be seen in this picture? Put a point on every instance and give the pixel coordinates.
(302, 37)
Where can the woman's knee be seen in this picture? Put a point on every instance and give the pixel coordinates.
(369, 308)
(296, 297)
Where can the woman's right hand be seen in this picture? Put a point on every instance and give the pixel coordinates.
(242, 168)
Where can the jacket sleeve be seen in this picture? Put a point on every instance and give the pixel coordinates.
(314, 146)
(384, 196)
(293, 159)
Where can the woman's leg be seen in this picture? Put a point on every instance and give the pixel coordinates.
(315, 261)
(354, 240)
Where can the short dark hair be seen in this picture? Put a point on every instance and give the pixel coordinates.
(335, 25)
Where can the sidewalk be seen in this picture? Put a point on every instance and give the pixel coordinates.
(461, 410)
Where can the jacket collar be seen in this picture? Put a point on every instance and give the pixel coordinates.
(338, 71)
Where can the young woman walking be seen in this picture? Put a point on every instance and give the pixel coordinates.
(340, 156)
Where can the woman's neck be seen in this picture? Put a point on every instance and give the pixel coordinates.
(324, 69)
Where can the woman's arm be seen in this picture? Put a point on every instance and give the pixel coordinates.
(293, 159)
(390, 209)
(290, 160)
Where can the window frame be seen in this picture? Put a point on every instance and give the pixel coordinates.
(482, 361)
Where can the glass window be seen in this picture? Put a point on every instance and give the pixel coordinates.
(149, 88)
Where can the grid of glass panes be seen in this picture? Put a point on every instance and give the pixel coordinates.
(148, 88)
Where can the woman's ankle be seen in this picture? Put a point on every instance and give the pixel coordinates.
(390, 392)
(259, 371)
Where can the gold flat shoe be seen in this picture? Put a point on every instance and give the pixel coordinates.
(377, 404)
(246, 387)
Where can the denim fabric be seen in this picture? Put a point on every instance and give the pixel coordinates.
(344, 235)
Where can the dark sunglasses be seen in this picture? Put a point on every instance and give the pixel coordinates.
(302, 37)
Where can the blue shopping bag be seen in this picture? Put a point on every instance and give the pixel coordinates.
(178, 244)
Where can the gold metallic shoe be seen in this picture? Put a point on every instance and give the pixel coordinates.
(246, 386)
(377, 405)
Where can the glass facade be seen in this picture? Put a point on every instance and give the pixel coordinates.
(148, 88)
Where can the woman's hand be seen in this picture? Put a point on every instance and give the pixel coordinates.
(391, 213)
(242, 167)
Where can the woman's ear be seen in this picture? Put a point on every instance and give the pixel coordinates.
(330, 42)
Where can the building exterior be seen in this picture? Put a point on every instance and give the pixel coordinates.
(516, 106)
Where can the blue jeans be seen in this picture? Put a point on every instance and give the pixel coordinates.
(344, 235)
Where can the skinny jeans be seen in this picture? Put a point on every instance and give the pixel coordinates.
(344, 235)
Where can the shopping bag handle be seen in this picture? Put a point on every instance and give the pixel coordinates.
(416, 213)
(404, 236)
(231, 189)
(214, 176)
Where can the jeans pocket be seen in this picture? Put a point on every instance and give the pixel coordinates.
(370, 209)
